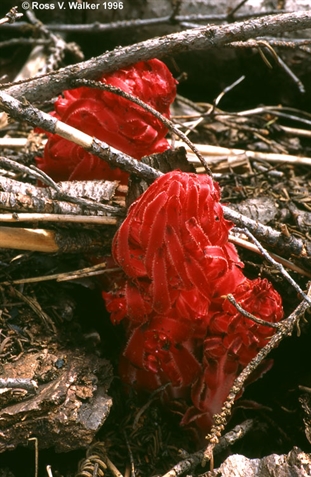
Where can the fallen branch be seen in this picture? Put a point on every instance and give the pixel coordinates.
(202, 38)
(289, 245)
(74, 198)
(24, 111)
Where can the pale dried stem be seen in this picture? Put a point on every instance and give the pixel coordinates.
(78, 219)
(39, 240)
(24, 111)
(215, 154)
(95, 270)
(253, 248)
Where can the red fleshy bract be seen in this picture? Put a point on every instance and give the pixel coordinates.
(173, 247)
(231, 342)
(167, 247)
(115, 120)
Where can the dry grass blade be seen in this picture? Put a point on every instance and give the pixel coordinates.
(35, 306)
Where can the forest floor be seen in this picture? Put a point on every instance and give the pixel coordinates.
(46, 324)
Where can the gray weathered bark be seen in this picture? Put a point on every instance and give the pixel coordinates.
(296, 463)
(67, 410)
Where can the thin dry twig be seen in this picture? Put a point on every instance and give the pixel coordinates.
(147, 22)
(261, 42)
(237, 240)
(98, 269)
(276, 264)
(169, 124)
(35, 306)
(285, 330)
(227, 440)
(250, 316)
(220, 420)
(64, 218)
(11, 16)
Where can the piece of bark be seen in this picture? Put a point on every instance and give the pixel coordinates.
(263, 209)
(76, 197)
(301, 217)
(68, 409)
(295, 464)
(305, 401)
(165, 162)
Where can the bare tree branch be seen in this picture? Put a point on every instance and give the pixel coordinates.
(25, 111)
(44, 87)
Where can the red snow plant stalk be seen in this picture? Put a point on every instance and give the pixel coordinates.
(115, 120)
(179, 266)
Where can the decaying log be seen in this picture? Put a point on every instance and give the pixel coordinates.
(69, 407)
